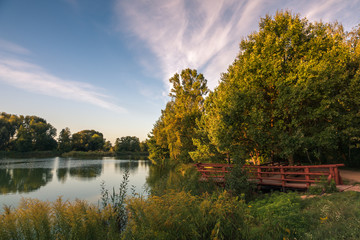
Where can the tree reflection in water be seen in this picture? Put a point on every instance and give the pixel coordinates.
(86, 172)
(132, 166)
(20, 180)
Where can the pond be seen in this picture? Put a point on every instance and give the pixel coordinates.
(71, 178)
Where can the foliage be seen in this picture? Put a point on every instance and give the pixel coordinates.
(237, 183)
(89, 154)
(173, 133)
(180, 215)
(64, 140)
(279, 215)
(88, 140)
(127, 144)
(205, 150)
(24, 134)
(180, 177)
(35, 219)
(336, 216)
(144, 146)
(117, 201)
(159, 152)
(8, 125)
(107, 146)
(323, 187)
(292, 93)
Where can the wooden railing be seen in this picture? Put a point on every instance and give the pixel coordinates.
(284, 176)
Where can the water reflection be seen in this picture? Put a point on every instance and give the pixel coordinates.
(28, 175)
(131, 165)
(20, 180)
(87, 172)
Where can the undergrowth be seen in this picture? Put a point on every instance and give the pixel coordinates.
(184, 212)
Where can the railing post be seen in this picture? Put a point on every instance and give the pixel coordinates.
(283, 183)
(337, 176)
(259, 174)
(332, 174)
(307, 177)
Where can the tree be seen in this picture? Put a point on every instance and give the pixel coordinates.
(159, 151)
(64, 140)
(176, 128)
(35, 134)
(127, 144)
(9, 123)
(107, 146)
(88, 140)
(144, 146)
(293, 91)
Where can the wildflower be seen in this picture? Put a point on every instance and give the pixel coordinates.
(323, 219)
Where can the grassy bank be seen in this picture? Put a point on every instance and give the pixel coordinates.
(181, 207)
(181, 215)
(98, 154)
(34, 154)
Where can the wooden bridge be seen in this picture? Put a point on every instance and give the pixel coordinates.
(283, 176)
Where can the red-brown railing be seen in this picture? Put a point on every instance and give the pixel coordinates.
(284, 176)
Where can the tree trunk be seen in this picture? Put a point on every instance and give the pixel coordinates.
(228, 157)
(291, 160)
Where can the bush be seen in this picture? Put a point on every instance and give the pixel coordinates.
(180, 215)
(183, 177)
(323, 187)
(237, 183)
(278, 216)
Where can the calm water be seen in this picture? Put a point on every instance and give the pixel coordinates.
(71, 178)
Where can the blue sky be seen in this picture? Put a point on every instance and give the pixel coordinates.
(105, 65)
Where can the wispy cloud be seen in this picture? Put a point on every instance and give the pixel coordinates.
(9, 47)
(205, 34)
(33, 78)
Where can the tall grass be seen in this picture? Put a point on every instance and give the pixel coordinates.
(35, 219)
(178, 213)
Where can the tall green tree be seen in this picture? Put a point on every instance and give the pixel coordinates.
(88, 140)
(64, 140)
(292, 91)
(35, 134)
(127, 144)
(159, 153)
(176, 128)
(144, 147)
(9, 124)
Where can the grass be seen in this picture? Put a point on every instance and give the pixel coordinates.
(181, 208)
(32, 154)
(35, 219)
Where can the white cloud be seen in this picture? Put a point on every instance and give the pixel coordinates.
(12, 47)
(205, 34)
(33, 78)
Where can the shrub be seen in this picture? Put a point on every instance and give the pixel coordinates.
(323, 187)
(278, 216)
(237, 183)
(180, 215)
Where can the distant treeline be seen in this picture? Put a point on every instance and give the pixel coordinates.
(32, 133)
(292, 94)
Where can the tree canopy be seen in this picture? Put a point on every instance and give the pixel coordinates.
(174, 132)
(127, 144)
(292, 94)
(88, 140)
(292, 91)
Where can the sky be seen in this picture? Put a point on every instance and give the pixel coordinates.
(105, 65)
